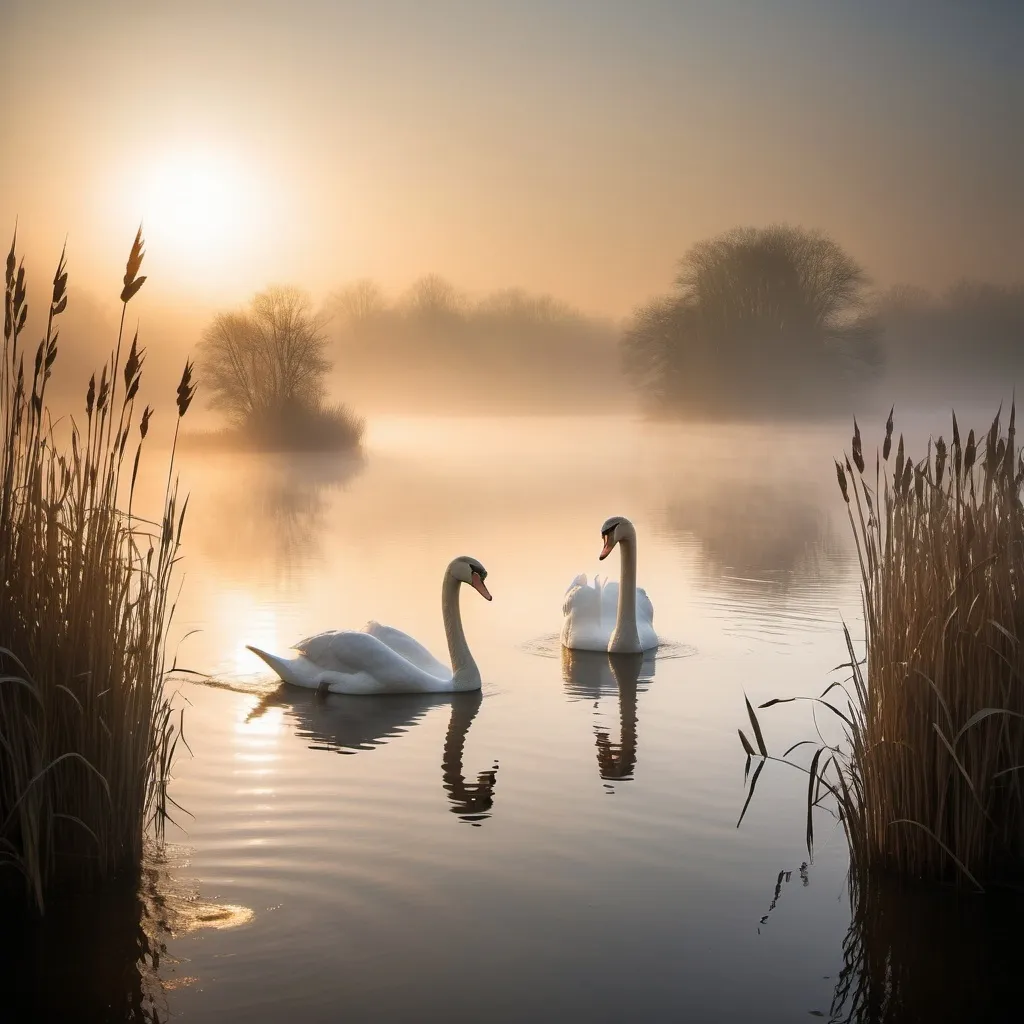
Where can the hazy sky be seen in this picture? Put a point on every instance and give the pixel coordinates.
(571, 146)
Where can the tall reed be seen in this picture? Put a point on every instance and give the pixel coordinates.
(927, 780)
(86, 732)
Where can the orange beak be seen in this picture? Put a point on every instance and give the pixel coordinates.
(608, 545)
(480, 587)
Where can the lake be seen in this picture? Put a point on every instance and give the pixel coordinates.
(562, 846)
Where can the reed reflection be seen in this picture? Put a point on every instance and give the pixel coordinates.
(103, 955)
(591, 675)
(343, 724)
(921, 954)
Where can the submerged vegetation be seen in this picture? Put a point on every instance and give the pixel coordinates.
(927, 781)
(86, 732)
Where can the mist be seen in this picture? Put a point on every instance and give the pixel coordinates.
(529, 360)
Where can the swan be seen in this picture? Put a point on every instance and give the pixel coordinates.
(382, 659)
(613, 617)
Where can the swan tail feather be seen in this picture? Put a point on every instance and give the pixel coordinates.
(281, 666)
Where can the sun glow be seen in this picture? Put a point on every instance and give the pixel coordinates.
(204, 216)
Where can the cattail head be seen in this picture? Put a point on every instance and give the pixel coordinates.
(132, 282)
(970, 452)
(186, 389)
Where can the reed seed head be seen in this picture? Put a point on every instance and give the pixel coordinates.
(132, 282)
(841, 477)
(186, 389)
(858, 454)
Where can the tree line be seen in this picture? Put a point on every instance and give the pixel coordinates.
(777, 319)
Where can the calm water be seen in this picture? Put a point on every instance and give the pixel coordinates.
(561, 847)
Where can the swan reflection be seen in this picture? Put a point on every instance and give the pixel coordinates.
(344, 724)
(590, 675)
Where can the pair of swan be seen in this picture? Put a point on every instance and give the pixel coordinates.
(617, 618)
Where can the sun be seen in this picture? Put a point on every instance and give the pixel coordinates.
(192, 200)
(203, 216)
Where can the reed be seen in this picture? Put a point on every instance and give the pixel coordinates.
(86, 732)
(927, 777)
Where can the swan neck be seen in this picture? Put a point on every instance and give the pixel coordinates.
(465, 674)
(625, 618)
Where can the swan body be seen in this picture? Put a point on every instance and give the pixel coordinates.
(609, 616)
(382, 659)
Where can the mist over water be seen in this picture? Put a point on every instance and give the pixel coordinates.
(469, 279)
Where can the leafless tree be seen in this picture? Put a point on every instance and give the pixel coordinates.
(267, 359)
(757, 312)
(359, 307)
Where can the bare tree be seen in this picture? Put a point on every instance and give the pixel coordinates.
(759, 317)
(268, 359)
(359, 306)
(434, 302)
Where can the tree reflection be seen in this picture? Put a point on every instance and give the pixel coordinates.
(344, 724)
(269, 510)
(778, 532)
(593, 674)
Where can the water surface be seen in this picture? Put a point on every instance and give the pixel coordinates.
(561, 846)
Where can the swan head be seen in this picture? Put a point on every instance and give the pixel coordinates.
(615, 529)
(469, 570)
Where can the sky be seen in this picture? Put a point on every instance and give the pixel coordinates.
(577, 147)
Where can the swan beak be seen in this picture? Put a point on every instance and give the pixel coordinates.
(480, 587)
(608, 545)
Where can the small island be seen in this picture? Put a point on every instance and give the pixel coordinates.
(265, 367)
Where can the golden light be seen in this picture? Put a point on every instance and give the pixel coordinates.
(205, 218)
(192, 200)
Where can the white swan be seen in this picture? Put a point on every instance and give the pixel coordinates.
(382, 659)
(614, 617)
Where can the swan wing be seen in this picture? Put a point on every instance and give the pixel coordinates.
(581, 599)
(353, 661)
(316, 647)
(610, 603)
(644, 606)
(409, 648)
